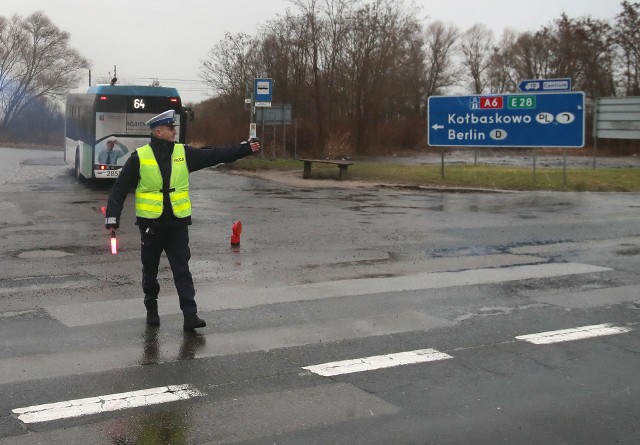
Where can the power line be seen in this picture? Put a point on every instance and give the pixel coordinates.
(133, 80)
(172, 79)
(185, 86)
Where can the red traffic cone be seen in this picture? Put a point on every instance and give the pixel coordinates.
(236, 230)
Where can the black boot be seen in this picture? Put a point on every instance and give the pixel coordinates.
(153, 319)
(192, 321)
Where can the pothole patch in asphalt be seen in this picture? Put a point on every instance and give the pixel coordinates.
(42, 254)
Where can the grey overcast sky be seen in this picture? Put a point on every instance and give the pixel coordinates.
(168, 39)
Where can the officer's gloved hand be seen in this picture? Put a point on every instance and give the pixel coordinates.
(111, 223)
(254, 143)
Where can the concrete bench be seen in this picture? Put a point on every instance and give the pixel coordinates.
(342, 165)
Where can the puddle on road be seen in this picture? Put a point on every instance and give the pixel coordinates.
(44, 161)
(629, 251)
(487, 250)
(272, 191)
(42, 254)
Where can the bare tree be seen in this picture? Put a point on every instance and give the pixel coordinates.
(336, 29)
(285, 57)
(627, 37)
(346, 65)
(440, 50)
(581, 49)
(35, 62)
(340, 57)
(314, 26)
(411, 74)
(375, 49)
(502, 77)
(534, 54)
(596, 57)
(476, 48)
(13, 40)
(569, 48)
(230, 69)
(276, 57)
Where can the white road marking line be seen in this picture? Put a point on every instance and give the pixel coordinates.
(377, 362)
(249, 296)
(101, 404)
(579, 333)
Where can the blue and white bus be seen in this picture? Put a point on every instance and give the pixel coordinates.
(106, 123)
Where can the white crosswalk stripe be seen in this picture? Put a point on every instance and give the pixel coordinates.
(573, 334)
(102, 404)
(377, 362)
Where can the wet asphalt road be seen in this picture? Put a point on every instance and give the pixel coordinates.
(322, 275)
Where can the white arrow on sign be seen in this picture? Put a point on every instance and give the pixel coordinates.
(437, 127)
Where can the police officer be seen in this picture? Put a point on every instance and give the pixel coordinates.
(159, 171)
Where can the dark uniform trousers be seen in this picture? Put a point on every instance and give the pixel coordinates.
(175, 243)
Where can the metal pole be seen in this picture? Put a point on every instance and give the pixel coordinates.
(295, 138)
(442, 163)
(284, 139)
(564, 166)
(595, 129)
(262, 133)
(273, 149)
(252, 111)
(535, 151)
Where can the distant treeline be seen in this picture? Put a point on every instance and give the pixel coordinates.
(37, 69)
(357, 73)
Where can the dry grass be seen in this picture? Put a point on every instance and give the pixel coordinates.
(473, 176)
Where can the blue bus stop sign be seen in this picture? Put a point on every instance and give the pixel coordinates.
(263, 92)
(509, 120)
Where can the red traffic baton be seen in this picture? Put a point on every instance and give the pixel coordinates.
(114, 242)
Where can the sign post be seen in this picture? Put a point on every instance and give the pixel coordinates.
(262, 96)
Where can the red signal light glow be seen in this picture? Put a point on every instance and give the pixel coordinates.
(114, 245)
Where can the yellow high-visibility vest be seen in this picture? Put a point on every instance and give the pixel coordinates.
(149, 196)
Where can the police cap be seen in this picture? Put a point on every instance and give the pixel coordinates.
(167, 118)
